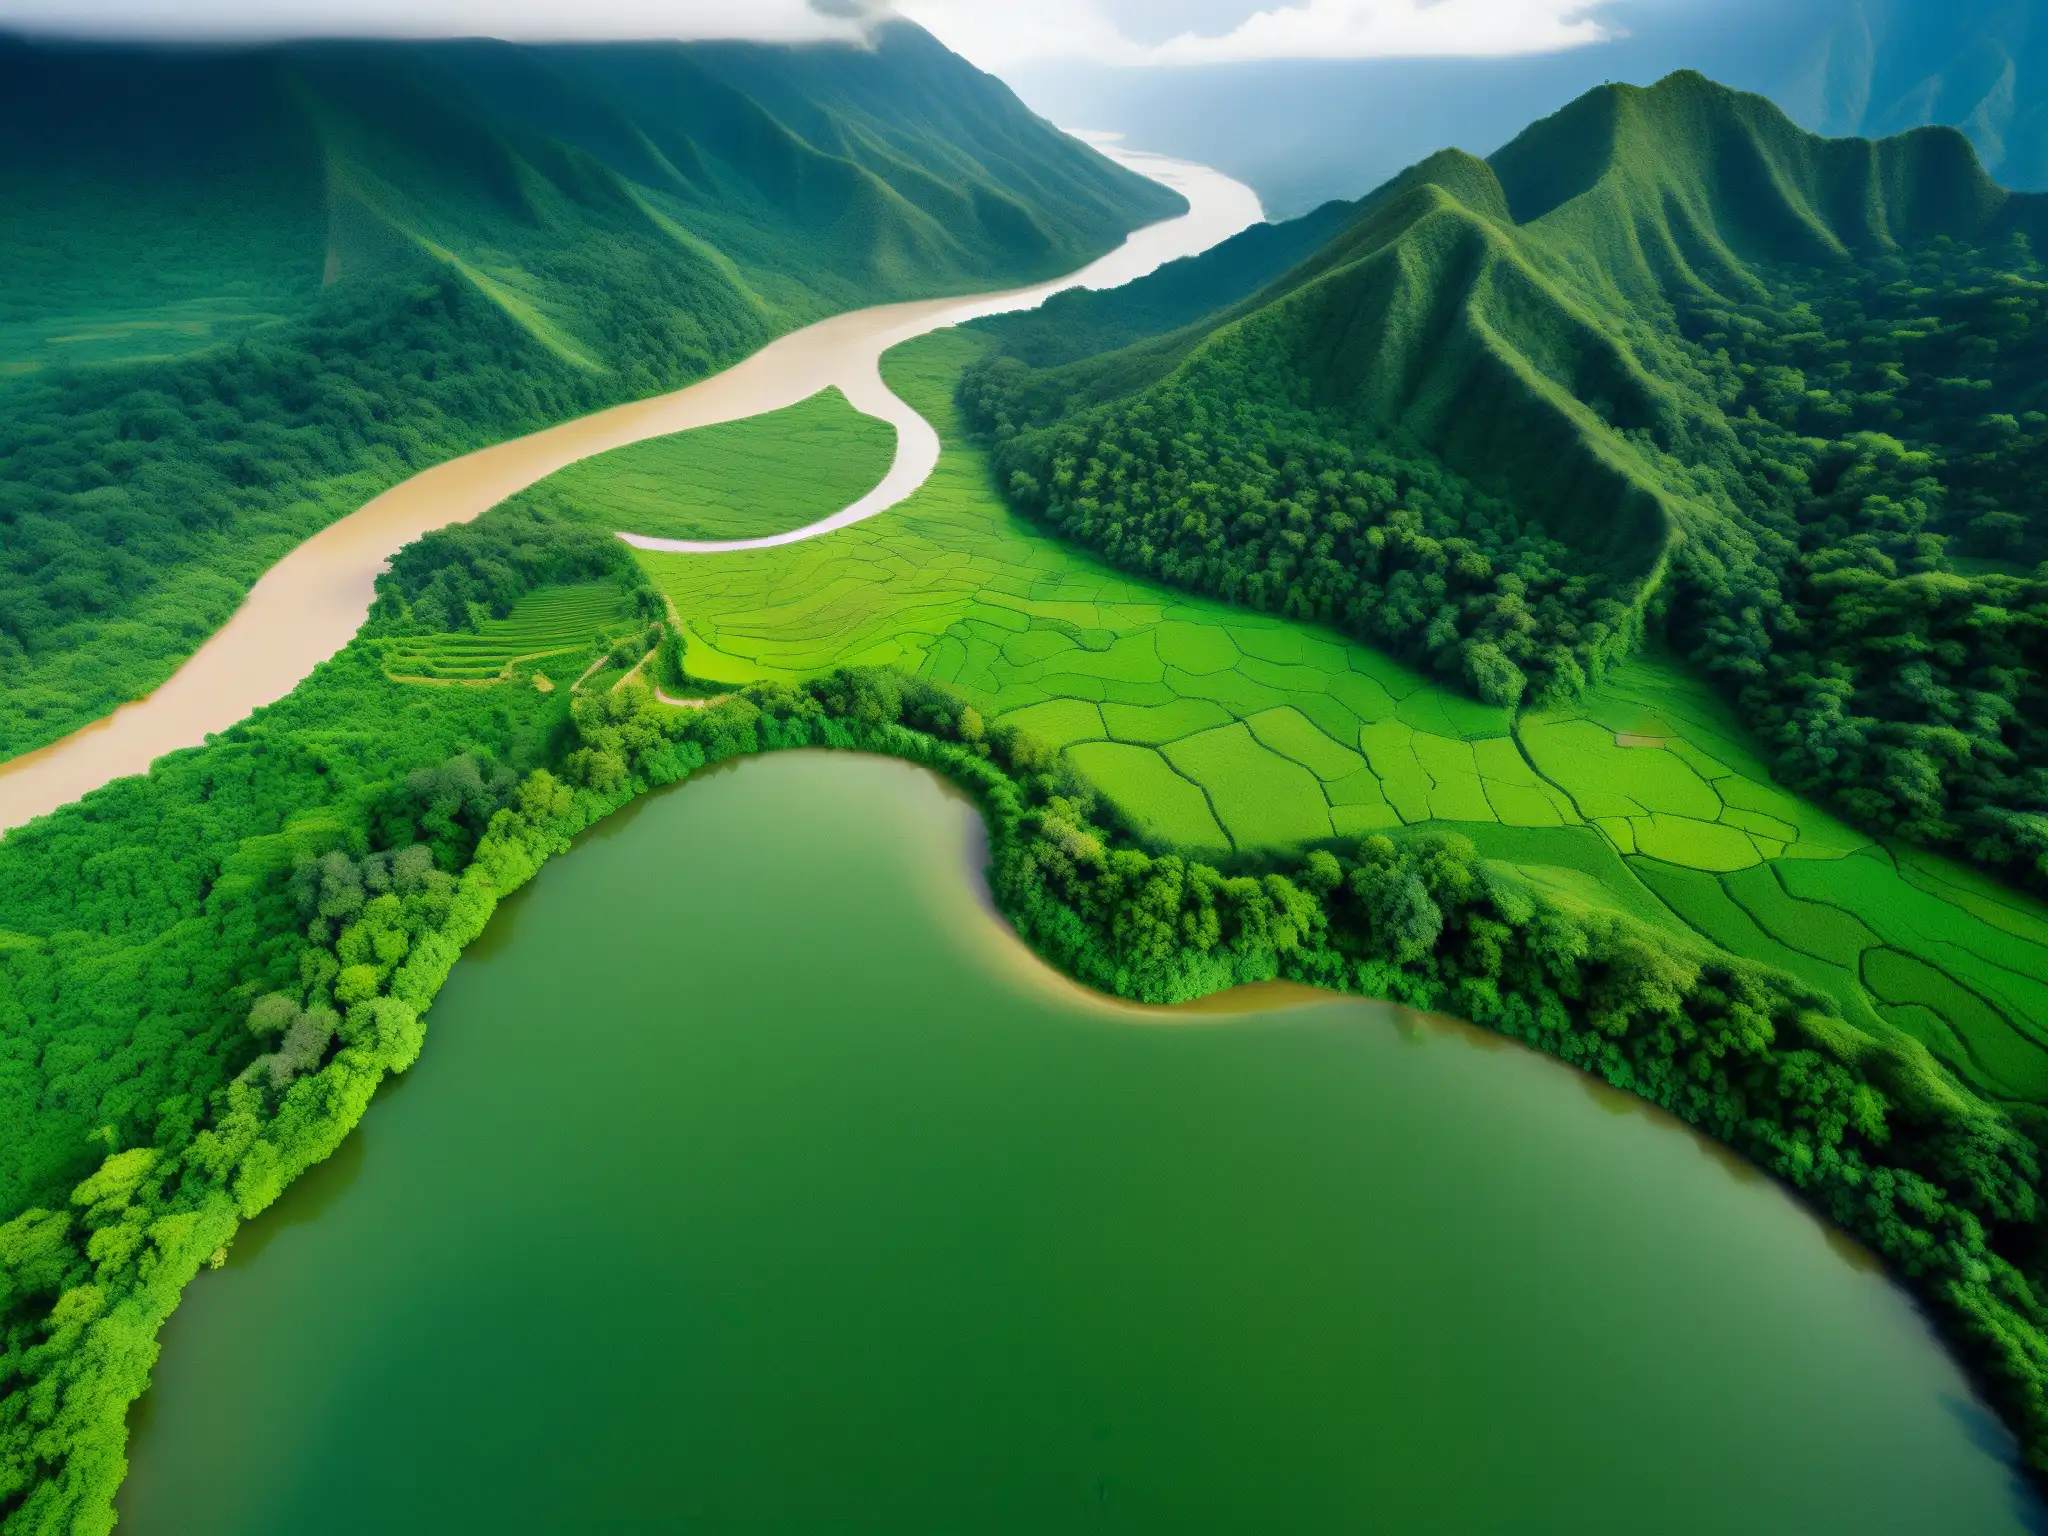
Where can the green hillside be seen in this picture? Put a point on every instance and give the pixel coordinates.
(1666, 364)
(738, 480)
(207, 971)
(242, 290)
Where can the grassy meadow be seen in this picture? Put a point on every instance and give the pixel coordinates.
(738, 480)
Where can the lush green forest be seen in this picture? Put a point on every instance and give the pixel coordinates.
(245, 290)
(205, 972)
(1664, 365)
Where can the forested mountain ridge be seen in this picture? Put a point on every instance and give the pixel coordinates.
(244, 289)
(1690, 186)
(1666, 362)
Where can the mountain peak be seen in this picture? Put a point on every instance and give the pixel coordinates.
(1709, 179)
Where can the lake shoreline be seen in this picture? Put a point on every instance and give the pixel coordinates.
(241, 1318)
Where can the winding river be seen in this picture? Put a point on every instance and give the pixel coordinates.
(309, 605)
(755, 1180)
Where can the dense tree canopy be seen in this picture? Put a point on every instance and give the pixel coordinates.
(1874, 607)
(1227, 480)
(457, 577)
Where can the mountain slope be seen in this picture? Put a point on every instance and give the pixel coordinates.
(829, 174)
(242, 290)
(1422, 331)
(1657, 344)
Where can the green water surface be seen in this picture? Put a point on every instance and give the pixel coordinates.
(752, 1181)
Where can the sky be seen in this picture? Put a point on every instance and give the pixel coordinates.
(993, 33)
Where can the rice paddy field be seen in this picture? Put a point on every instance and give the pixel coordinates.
(1232, 734)
(739, 480)
(549, 625)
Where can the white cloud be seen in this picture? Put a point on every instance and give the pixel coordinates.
(1361, 29)
(770, 20)
(995, 33)
(1020, 31)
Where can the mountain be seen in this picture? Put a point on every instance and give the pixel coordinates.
(1883, 66)
(1308, 130)
(1665, 366)
(244, 289)
(788, 180)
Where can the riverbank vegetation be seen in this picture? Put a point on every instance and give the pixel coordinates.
(1707, 377)
(245, 290)
(1601, 880)
(205, 972)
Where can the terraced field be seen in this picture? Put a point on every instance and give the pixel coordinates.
(552, 622)
(1233, 733)
(1195, 715)
(739, 480)
(1898, 937)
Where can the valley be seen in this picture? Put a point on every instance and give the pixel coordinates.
(1588, 593)
(305, 606)
(371, 258)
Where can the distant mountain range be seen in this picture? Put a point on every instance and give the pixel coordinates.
(1305, 132)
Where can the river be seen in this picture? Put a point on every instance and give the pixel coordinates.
(310, 604)
(755, 1180)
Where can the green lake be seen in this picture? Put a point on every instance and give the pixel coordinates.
(753, 1180)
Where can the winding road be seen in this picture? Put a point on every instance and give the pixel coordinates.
(310, 604)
